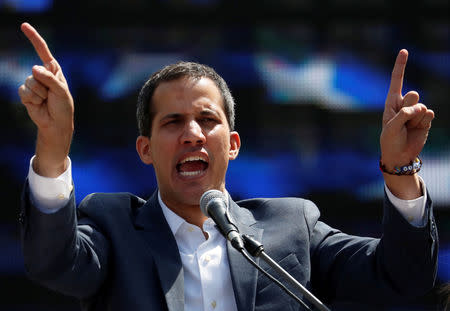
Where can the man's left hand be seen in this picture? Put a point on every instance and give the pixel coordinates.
(406, 124)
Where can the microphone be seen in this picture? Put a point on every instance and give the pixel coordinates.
(213, 203)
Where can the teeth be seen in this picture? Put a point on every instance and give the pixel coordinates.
(193, 158)
(190, 173)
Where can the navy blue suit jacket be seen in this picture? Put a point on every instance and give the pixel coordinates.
(116, 252)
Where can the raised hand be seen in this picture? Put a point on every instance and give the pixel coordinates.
(49, 103)
(406, 124)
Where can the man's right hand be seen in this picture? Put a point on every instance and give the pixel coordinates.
(49, 103)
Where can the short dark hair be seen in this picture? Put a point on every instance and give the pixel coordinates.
(145, 113)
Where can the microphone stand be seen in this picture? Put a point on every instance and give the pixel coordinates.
(256, 249)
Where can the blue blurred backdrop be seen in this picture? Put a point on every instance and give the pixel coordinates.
(309, 80)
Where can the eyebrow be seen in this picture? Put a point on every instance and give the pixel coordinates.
(171, 116)
(209, 112)
(205, 112)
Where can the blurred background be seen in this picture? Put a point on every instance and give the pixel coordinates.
(309, 78)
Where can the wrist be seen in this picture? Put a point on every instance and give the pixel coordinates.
(402, 179)
(411, 168)
(405, 187)
(51, 154)
(49, 167)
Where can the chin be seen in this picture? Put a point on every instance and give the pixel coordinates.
(190, 193)
(191, 196)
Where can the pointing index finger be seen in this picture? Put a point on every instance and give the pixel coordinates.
(38, 43)
(398, 73)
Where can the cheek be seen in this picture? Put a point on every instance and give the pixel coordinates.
(162, 153)
(222, 152)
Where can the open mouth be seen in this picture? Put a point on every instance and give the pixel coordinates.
(192, 166)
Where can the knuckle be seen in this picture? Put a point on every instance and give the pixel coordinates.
(425, 125)
(38, 88)
(36, 100)
(24, 92)
(21, 89)
(31, 83)
(54, 64)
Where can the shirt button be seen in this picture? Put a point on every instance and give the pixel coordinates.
(213, 304)
(61, 196)
(207, 258)
(190, 229)
(410, 218)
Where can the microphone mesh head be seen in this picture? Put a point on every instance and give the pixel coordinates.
(207, 197)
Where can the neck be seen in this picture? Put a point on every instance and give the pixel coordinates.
(192, 214)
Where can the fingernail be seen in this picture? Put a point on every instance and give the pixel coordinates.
(38, 68)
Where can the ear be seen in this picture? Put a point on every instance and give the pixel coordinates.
(144, 150)
(235, 145)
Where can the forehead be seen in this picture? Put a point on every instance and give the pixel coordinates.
(186, 93)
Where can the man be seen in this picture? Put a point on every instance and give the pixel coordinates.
(118, 252)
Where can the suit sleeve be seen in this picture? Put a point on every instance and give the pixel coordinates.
(401, 264)
(62, 253)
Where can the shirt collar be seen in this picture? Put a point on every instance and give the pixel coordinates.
(173, 219)
(176, 221)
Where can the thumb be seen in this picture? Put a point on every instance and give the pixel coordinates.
(48, 79)
(52, 66)
(410, 99)
(404, 115)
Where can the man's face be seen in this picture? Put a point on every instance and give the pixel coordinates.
(191, 142)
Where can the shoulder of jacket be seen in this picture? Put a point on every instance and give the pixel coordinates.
(111, 201)
(269, 202)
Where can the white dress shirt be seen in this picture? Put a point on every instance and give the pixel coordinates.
(50, 194)
(207, 279)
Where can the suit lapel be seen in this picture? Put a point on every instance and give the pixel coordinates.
(150, 221)
(243, 275)
(163, 247)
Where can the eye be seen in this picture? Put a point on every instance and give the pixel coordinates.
(173, 121)
(208, 120)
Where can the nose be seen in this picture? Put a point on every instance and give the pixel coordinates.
(193, 134)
